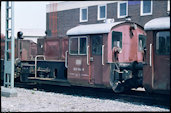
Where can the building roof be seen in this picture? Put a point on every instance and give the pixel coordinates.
(67, 5)
(158, 24)
(92, 28)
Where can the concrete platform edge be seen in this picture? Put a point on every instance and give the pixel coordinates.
(8, 92)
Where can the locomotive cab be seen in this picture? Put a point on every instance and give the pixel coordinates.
(127, 56)
(157, 69)
(106, 55)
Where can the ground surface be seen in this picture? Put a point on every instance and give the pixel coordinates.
(30, 100)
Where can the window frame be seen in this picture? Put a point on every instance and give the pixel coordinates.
(141, 9)
(98, 11)
(156, 37)
(168, 5)
(78, 37)
(121, 40)
(101, 36)
(121, 2)
(139, 43)
(81, 14)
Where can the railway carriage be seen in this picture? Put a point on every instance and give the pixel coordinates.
(156, 77)
(25, 50)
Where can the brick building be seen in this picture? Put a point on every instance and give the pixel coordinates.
(62, 16)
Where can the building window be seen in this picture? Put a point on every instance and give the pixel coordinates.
(146, 7)
(77, 45)
(142, 42)
(83, 14)
(168, 5)
(122, 9)
(163, 43)
(102, 12)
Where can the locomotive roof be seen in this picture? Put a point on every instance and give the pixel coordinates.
(92, 28)
(158, 23)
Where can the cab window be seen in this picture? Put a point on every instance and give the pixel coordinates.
(96, 44)
(141, 42)
(73, 45)
(163, 42)
(77, 45)
(82, 46)
(117, 39)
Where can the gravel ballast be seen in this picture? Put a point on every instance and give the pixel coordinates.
(31, 100)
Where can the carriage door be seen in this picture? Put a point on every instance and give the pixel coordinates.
(96, 58)
(162, 60)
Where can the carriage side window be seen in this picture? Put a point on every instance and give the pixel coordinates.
(117, 39)
(77, 45)
(142, 42)
(96, 44)
(163, 42)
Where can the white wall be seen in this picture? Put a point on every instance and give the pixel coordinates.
(72, 5)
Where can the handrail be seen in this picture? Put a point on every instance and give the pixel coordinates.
(150, 54)
(87, 55)
(102, 54)
(66, 59)
(36, 63)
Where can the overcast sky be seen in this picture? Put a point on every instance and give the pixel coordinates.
(29, 15)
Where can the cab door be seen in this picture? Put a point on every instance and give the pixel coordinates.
(162, 60)
(78, 69)
(96, 70)
(148, 68)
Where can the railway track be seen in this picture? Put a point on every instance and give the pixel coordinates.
(132, 96)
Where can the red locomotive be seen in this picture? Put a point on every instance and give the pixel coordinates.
(156, 72)
(106, 55)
